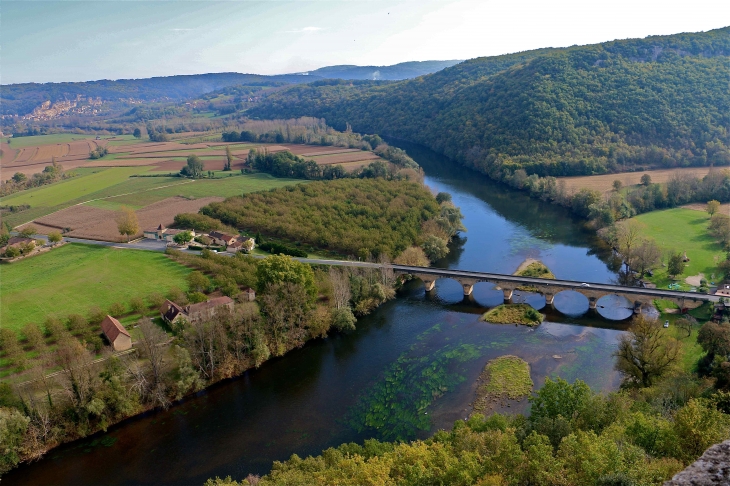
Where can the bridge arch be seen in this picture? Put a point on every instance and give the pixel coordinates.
(615, 307)
(571, 303)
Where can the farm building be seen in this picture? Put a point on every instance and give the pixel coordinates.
(249, 294)
(723, 289)
(208, 309)
(171, 312)
(222, 238)
(116, 334)
(165, 234)
(241, 243)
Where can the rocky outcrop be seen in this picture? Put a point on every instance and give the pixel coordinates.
(713, 468)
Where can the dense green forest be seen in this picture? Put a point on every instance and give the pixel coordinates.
(622, 105)
(359, 217)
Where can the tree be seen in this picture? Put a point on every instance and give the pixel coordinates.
(198, 282)
(55, 237)
(413, 256)
(715, 340)
(645, 180)
(435, 248)
(559, 398)
(19, 177)
(647, 255)
(229, 159)
(685, 323)
(442, 197)
(675, 265)
(127, 222)
(720, 228)
(12, 252)
(194, 168)
(712, 207)
(646, 352)
(183, 237)
(116, 309)
(628, 234)
(13, 427)
(28, 231)
(617, 185)
(152, 347)
(278, 269)
(137, 133)
(33, 336)
(138, 306)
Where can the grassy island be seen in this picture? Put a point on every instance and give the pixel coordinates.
(532, 268)
(513, 314)
(506, 377)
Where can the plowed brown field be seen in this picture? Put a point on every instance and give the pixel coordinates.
(347, 157)
(100, 224)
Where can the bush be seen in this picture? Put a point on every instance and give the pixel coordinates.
(279, 249)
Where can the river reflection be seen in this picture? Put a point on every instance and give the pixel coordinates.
(408, 369)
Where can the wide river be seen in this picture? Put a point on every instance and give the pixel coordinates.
(408, 370)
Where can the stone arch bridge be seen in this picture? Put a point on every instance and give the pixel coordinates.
(547, 287)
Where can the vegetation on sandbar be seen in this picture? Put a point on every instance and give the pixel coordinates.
(513, 314)
(535, 269)
(503, 377)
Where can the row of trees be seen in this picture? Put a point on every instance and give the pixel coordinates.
(19, 181)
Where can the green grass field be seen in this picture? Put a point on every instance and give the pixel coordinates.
(73, 278)
(683, 230)
(235, 185)
(21, 142)
(82, 186)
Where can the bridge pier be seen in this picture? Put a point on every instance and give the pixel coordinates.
(429, 284)
(592, 301)
(507, 294)
(549, 299)
(468, 289)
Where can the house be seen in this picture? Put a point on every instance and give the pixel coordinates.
(115, 333)
(17, 242)
(171, 312)
(249, 294)
(222, 239)
(153, 233)
(164, 234)
(723, 290)
(208, 309)
(242, 243)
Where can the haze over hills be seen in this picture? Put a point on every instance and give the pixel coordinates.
(658, 101)
(21, 99)
(396, 72)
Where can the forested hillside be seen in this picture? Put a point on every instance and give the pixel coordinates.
(403, 70)
(660, 101)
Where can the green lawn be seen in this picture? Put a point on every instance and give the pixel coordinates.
(683, 230)
(73, 278)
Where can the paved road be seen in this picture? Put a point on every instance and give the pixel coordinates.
(154, 245)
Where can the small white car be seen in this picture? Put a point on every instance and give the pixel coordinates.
(584, 285)
(666, 323)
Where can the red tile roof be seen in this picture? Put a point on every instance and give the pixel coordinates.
(112, 328)
(214, 302)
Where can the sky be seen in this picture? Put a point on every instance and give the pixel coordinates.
(55, 41)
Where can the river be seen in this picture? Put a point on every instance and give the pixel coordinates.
(408, 370)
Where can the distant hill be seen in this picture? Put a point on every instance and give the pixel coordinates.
(21, 99)
(659, 101)
(396, 72)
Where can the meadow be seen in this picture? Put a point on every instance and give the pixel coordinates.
(683, 230)
(74, 278)
(22, 142)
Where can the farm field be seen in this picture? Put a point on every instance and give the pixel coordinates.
(73, 278)
(683, 230)
(604, 183)
(72, 189)
(30, 155)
